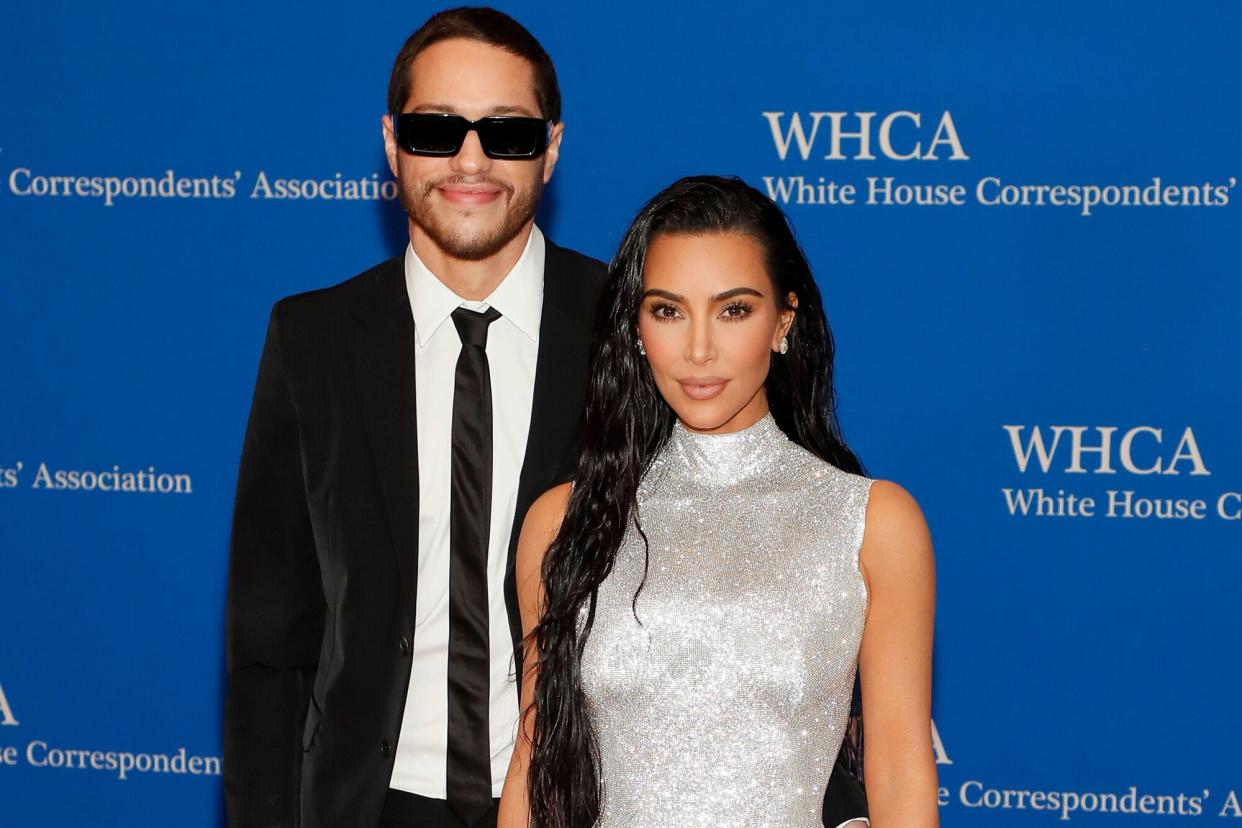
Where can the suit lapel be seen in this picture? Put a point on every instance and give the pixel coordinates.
(382, 357)
(553, 410)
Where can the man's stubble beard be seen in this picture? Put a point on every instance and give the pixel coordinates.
(520, 208)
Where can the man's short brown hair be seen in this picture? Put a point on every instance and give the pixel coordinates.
(485, 25)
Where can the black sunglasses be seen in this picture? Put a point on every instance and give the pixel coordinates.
(501, 136)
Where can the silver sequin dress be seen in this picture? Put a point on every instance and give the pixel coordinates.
(727, 704)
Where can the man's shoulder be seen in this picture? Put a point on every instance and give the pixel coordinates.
(559, 258)
(575, 277)
(326, 304)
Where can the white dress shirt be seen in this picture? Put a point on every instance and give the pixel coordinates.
(512, 349)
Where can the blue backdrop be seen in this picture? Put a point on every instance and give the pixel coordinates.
(1063, 324)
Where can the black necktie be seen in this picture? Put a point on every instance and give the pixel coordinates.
(469, 766)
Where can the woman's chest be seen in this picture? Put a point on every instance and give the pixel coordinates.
(714, 602)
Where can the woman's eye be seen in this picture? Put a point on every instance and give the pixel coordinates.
(664, 311)
(738, 310)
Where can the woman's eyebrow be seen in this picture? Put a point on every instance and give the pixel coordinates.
(738, 291)
(719, 297)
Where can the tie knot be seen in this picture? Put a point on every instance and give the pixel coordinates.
(472, 325)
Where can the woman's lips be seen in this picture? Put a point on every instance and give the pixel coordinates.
(703, 388)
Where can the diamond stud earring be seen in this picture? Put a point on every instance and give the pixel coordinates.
(784, 347)
(641, 349)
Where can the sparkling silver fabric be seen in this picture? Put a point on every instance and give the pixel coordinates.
(725, 702)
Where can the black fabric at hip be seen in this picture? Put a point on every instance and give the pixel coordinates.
(407, 810)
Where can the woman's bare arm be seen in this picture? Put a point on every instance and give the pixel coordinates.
(539, 529)
(895, 661)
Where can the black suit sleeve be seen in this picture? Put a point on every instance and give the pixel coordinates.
(845, 798)
(275, 608)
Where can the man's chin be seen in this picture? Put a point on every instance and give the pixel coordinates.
(470, 238)
(472, 247)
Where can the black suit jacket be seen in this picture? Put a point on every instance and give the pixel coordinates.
(323, 565)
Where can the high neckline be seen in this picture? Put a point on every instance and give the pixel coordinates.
(722, 460)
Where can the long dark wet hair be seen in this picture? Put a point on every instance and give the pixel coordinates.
(625, 424)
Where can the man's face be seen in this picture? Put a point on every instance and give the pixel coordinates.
(468, 205)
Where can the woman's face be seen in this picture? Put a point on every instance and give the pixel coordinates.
(709, 321)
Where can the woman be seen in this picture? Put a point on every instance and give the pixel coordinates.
(697, 602)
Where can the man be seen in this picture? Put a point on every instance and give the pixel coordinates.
(403, 422)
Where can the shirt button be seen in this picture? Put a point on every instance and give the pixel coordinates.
(405, 646)
(385, 748)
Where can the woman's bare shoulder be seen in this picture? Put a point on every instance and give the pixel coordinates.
(896, 534)
(549, 508)
(543, 521)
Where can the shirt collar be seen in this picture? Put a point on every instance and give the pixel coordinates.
(518, 297)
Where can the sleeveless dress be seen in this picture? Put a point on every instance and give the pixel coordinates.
(725, 701)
